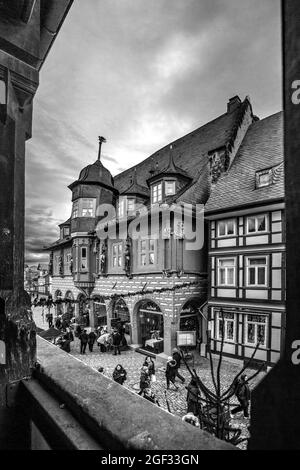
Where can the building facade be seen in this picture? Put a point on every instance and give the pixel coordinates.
(245, 213)
(154, 283)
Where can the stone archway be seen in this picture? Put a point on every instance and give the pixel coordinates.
(149, 325)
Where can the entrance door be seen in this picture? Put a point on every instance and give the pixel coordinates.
(150, 327)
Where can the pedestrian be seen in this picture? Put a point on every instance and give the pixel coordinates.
(83, 337)
(144, 379)
(78, 331)
(66, 344)
(193, 397)
(119, 374)
(116, 340)
(91, 340)
(58, 323)
(102, 341)
(69, 334)
(243, 394)
(151, 368)
(50, 320)
(177, 357)
(191, 419)
(171, 371)
(150, 396)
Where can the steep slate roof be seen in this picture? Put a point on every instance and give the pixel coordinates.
(261, 148)
(190, 154)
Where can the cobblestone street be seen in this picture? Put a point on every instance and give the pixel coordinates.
(133, 361)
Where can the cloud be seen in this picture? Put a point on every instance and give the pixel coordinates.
(141, 74)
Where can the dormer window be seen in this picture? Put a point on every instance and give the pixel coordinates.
(263, 178)
(156, 193)
(169, 188)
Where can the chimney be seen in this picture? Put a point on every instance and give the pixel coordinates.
(233, 104)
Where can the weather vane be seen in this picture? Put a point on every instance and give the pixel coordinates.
(101, 140)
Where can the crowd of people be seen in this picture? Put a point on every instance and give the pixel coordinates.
(114, 341)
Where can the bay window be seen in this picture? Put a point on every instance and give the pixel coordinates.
(84, 207)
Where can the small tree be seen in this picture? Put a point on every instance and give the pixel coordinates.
(214, 408)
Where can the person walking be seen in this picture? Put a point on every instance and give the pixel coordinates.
(116, 340)
(193, 397)
(50, 319)
(243, 394)
(91, 340)
(119, 374)
(151, 368)
(177, 357)
(171, 371)
(83, 337)
(144, 379)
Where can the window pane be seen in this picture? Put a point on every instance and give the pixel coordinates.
(251, 333)
(230, 227)
(143, 245)
(261, 276)
(261, 330)
(143, 259)
(221, 332)
(120, 248)
(114, 249)
(120, 261)
(170, 187)
(222, 276)
(256, 261)
(221, 228)
(229, 330)
(83, 252)
(230, 276)
(251, 276)
(251, 224)
(261, 223)
(114, 262)
(226, 262)
(151, 245)
(151, 258)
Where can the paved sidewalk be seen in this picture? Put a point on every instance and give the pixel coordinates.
(133, 361)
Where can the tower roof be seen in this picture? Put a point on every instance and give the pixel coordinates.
(95, 173)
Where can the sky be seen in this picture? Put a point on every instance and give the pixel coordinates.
(140, 73)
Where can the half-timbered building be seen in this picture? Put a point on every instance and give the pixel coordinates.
(245, 213)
